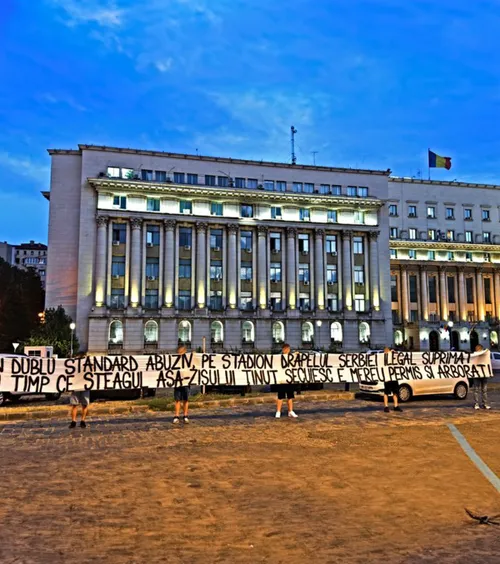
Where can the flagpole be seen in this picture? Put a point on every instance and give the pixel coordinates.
(428, 164)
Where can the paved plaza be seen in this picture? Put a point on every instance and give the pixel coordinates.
(343, 483)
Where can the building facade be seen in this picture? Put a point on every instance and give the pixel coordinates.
(7, 252)
(150, 249)
(31, 256)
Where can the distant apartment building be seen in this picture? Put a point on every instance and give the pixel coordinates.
(32, 256)
(7, 252)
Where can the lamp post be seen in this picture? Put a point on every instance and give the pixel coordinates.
(15, 345)
(72, 326)
(319, 323)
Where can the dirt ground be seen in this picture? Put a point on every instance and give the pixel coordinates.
(341, 491)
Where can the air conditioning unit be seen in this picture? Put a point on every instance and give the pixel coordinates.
(216, 249)
(151, 278)
(305, 253)
(249, 250)
(306, 282)
(275, 251)
(116, 243)
(333, 254)
(149, 245)
(187, 212)
(116, 276)
(330, 283)
(187, 247)
(260, 187)
(102, 175)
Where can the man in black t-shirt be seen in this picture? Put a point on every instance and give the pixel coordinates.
(285, 391)
(391, 388)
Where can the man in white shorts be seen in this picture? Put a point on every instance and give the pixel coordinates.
(79, 398)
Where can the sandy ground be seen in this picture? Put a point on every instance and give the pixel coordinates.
(341, 491)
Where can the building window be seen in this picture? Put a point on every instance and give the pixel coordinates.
(222, 181)
(307, 332)
(304, 303)
(160, 176)
(116, 333)
(303, 243)
(432, 290)
(147, 175)
(431, 212)
(468, 214)
(152, 268)
(151, 299)
(487, 257)
(332, 302)
(153, 204)
(280, 186)
(393, 210)
(469, 290)
(413, 288)
(304, 273)
(412, 254)
(486, 237)
(431, 234)
(357, 243)
(113, 172)
(209, 180)
(216, 270)
(451, 255)
(468, 256)
(412, 234)
(118, 267)
(216, 209)
(431, 255)
(119, 233)
(359, 275)
(278, 332)
(487, 291)
(184, 268)
(252, 183)
(324, 189)
(451, 289)
(184, 299)
(359, 302)
(248, 332)
(359, 217)
(246, 241)
(485, 215)
(185, 235)
(450, 213)
(297, 187)
(393, 232)
(269, 185)
(239, 183)
(192, 179)
(276, 302)
(179, 178)
(394, 254)
(336, 332)
(215, 303)
(308, 188)
(275, 242)
(185, 206)
(152, 235)
(246, 272)
(364, 332)
(331, 244)
(352, 191)
(216, 332)
(331, 216)
(331, 274)
(468, 236)
(362, 192)
(275, 272)
(216, 239)
(246, 301)
(117, 298)
(304, 214)
(120, 202)
(450, 235)
(275, 212)
(336, 190)
(394, 288)
(246, 210)
(184, 332)
(412, 211)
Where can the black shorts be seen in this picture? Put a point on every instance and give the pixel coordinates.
(181, 393)
(391, 387)
(285, 391)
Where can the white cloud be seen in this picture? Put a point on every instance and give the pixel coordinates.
(25, 167)
(164, 65)
(80, 12)
(62, 100)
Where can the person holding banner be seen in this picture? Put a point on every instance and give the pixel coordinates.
(181, 395)
(285, 391)
(391, 388)
(480, 388)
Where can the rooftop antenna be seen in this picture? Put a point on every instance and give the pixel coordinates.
(197, 151)
(314, 153)
(294, 158)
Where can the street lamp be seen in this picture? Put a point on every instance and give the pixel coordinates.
(72, 326)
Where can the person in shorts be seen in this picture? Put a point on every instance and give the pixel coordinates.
(480, 387)
(391, 388)
(79, 398)
(181, 396)
(285, 391)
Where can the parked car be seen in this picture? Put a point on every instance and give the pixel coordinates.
(409, 388)
(495, 363)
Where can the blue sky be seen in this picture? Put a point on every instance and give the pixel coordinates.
(368, 83)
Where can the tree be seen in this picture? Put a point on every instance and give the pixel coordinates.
(21, 300)
(55, 332)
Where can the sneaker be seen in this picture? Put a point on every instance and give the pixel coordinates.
(398, 409)
(83, 424)
(186, 419)
(292, 414)
(386, 410)
(176, 420)
(72, 425)
(278, 414)
(487, 407)
(476, 406)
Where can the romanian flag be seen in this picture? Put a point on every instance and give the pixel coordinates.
(435, 161)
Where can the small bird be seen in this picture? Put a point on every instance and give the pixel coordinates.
(484, 519)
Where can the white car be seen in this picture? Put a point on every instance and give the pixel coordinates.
(495, 363)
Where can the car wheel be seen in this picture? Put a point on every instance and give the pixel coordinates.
(52, 397)
(461, 390)
(404, 393)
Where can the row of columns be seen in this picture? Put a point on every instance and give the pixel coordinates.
(289, 264)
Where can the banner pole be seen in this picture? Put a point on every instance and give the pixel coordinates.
(203, 349)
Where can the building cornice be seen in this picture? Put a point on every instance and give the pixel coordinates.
(137, 187)
(445, 246)
(407, 180)
(105, 148)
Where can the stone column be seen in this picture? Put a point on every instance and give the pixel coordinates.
(462, 297)
(169, 262)
(232, 273)
(101, 255)
(497, 294)
(262, 266)
(319, 265)
(443, 294)
(480, 294)
(135, 262)
(347, 270)
(374, 273)
(201, 265)
(291, 233)
(424, 294)
(404, 295)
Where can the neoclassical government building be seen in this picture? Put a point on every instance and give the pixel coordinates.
(150, 249)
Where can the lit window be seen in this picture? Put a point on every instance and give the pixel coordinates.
(359, 302)
(184, 333)
(359, 275)
(468, 236)
(450, 235)
(412, 234)
(431, 234)
(247, 332)
(216, 332)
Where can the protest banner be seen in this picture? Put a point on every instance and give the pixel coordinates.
(24, 374)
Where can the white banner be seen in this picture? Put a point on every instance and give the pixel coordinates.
(48, 375)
